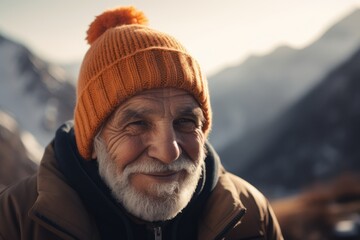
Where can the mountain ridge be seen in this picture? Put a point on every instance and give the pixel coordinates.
(263, 86)
(314, 140)
(40, 95)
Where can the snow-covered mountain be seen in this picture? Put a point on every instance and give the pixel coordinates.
(249, 95)
(39, 95)
(72, 69)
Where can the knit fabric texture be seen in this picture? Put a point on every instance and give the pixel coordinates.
(124, 61)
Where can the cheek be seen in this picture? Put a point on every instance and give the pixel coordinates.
(193, 145)
(124, 149)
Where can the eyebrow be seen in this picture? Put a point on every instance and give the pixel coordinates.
(125, 115)
(193, 111)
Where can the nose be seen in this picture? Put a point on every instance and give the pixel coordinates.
(164, 145)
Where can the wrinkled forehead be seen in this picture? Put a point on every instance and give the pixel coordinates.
(151, 100)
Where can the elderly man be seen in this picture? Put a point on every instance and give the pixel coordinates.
(135, 162)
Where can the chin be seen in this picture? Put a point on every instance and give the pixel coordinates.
(160, 202)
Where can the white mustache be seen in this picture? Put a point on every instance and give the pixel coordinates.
(155, 166)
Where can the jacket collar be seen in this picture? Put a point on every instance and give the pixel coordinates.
(58, 208)
(224, 209)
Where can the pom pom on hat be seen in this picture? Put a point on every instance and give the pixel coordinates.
(113, 18)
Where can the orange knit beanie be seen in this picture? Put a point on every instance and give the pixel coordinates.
(127, 57)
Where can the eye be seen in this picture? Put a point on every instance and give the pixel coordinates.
(186, 124)
(137, 127)
(138, 123)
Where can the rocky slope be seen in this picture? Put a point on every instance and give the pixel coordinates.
(39, 95)
(315, 140)
(251, 94)
(17, 158)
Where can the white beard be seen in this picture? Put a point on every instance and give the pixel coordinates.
(161, 201)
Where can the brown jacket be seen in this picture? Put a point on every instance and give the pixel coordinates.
(46, 207)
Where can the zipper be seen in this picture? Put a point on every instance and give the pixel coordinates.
(231, 224)
(157, 233)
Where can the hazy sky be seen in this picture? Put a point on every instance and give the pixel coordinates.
(217, 33)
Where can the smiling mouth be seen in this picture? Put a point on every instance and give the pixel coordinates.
(162, 176)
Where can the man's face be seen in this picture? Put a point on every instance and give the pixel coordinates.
(151, 152)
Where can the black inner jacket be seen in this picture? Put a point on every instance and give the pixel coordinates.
(112, 219)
